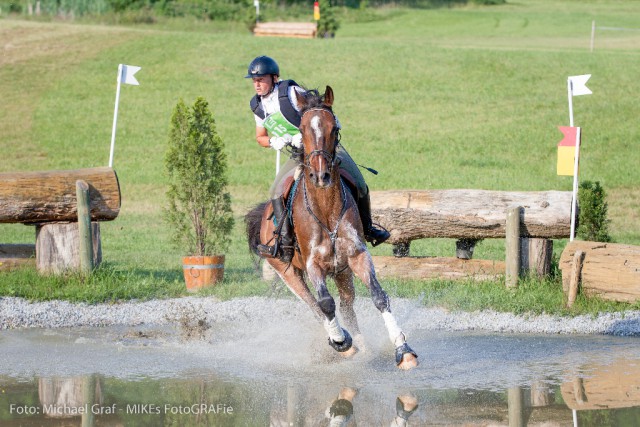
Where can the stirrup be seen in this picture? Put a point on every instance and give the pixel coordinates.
(266, 251)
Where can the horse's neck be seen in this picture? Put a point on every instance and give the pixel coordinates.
(326, 203)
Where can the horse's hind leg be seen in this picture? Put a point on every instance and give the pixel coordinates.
(362, 266)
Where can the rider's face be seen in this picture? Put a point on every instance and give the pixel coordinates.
(262, 85)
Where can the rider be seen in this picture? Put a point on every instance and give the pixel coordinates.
(277, 117)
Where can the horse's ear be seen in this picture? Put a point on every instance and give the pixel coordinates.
(300, 99)
(328, 96)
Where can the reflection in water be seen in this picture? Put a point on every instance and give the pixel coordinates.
(99, 401)
(240, 375)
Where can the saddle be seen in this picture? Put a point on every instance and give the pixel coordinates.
(289, 182)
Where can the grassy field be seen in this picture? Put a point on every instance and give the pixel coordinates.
(466, 97)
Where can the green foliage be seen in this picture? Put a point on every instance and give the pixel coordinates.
(593, 221)
(328, 23)
(199, 207)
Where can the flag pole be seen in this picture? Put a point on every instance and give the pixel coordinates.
(115, 116)
(277, 162)
(570, 96)
(574, 199)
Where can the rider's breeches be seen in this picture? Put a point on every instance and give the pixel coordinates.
(346, 163)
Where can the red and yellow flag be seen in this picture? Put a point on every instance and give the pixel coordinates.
(316, 11)
(567, 150)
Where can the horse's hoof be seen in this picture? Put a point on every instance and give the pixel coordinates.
(343, 346)
(349, 353)
(409, 361)
(406, 358)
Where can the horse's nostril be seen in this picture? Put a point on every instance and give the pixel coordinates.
(326, 176)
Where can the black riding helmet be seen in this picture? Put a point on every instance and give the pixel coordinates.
(262, 66)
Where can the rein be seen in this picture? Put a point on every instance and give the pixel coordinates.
(333, 235)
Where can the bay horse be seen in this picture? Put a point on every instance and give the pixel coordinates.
(329, 235)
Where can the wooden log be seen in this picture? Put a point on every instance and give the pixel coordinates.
(418, 268)
(419, 214)
(610, 270)
(17, 255)
(36, 197)
(512, 247)
(58, 246)
(574, 281)
(286, 29)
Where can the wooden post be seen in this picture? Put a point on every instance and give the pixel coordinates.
(85, 246)
(512, 245)
(576, 272)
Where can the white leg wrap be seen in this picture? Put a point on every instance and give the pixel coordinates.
(334, 330)
(395, 333)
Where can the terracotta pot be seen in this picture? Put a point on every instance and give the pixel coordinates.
(202, 271)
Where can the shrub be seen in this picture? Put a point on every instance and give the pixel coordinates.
(199, 208)
(328, 23)
(593, 221)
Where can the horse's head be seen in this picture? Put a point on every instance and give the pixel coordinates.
(319, 129)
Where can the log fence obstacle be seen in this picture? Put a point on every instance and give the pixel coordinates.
(66, 208)
(607, 270)
(527, 220)
(306, 30)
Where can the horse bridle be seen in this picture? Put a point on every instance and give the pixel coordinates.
(329, 157)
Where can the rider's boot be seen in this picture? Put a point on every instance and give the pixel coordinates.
(372, 234)
(283, 235)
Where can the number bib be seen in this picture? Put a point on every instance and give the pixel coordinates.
(277, 125)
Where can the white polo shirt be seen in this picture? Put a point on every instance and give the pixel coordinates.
(271, 105)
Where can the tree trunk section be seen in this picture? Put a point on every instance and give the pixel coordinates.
(536, 256)
(58, 247)
(412, 214)
(37, 197)
(609, 270)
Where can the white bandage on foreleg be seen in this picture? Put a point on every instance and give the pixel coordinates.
(395, 333)
(334, 330)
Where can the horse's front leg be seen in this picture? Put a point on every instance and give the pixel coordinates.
(362, 266)
(339, 338)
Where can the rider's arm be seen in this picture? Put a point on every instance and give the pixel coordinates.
(262, 137)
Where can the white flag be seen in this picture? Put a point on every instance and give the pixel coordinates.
(127, 75)
(578, 85)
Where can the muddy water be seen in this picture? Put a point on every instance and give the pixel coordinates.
(267, 372)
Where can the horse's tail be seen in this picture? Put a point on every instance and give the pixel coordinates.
(252, 222)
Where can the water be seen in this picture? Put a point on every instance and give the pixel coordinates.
(280, 371)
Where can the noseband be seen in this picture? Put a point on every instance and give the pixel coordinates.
(329, 157)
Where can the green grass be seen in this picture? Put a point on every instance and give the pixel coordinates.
(467, 97)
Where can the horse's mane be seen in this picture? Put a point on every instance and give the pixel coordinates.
(313, 100)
